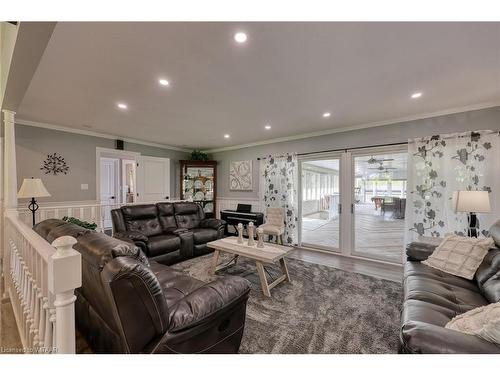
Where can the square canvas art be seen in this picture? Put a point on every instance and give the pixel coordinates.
(240, 175)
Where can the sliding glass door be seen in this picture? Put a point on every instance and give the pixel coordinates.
(319, 203)
(368, 220)
(379, 201)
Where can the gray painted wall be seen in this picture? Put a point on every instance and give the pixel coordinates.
(33, 144)
(393, 133)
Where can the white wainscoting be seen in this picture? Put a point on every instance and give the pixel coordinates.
(90, 211)
(93, 211)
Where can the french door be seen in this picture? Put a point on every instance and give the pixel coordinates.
(354, 202)
(320, 201)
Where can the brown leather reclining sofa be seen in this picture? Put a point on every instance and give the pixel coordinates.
(432, 298)
(167, 232)
(127, 304)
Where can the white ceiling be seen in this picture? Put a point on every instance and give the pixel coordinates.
(287, 74)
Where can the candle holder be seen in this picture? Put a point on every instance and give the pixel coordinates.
(250, 230)
(260, 238)
(240, 233)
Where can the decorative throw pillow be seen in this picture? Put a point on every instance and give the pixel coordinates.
(483, 321)
(459, 256)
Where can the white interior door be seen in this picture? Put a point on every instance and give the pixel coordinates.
(153, 179)
(109, 188)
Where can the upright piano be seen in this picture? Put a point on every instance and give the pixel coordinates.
(243, 215)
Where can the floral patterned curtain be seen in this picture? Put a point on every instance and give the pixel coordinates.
(442, 164)
(279, 174)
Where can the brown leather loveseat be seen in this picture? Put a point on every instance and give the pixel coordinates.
(127, 304)
(167, 232)
(432, 298)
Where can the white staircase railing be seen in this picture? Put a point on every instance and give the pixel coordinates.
(40, 279)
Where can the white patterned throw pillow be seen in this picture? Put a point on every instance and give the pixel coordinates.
(459, 256)
(483, 321)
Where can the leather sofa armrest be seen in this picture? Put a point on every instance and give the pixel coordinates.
(212, 223)
(419, 251)
(131, 236)
(428, 339)
(207, 301)
(175, 230)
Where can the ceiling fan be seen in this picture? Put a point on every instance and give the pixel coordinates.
(374, 160)
(382, 168)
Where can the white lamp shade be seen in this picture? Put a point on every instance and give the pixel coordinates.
(471, 201)
(32, 188)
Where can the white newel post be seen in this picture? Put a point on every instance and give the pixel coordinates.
(10, 172)
(9, 189)
(65, 275)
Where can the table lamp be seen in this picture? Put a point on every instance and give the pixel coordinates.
(32, 188)
(472, 202)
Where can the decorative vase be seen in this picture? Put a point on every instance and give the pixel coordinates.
(250, 229)
(260, 238)
(240, 233)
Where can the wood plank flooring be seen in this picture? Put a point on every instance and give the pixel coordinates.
(392, 272)
(376, 235)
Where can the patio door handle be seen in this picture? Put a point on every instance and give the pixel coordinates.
(352, 208)
(340, 209)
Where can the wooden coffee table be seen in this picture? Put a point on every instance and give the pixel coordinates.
(269, 254)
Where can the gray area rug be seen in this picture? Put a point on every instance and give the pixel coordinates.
(323, 309)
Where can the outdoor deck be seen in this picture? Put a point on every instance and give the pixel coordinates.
(376, 235)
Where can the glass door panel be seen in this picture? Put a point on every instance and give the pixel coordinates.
(320, 195)
(379, 201)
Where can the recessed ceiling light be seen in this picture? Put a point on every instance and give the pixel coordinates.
(122, 106)
(240, 37)
(267, 127)
(163, 82)
(327, 114)
(226, 135)
(416, 95)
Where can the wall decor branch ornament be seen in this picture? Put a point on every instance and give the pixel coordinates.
(55, 164)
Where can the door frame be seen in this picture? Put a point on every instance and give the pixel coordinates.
(320, 156)
(111, 153)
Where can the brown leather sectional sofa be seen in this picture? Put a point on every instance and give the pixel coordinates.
(167, 232)
(432, 298)
(127, 304)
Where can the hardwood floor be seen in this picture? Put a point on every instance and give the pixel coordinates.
(380, 270)
(376, 235)
(9, 336)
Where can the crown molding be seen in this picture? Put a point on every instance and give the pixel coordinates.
(91, 133)
(359, 126)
